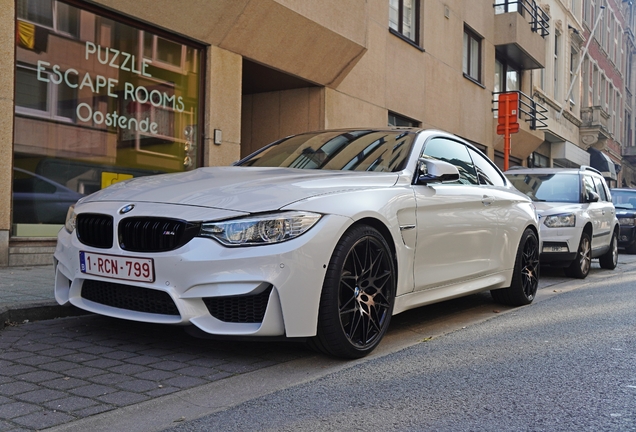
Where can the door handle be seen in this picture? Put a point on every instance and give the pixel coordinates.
(487, 200)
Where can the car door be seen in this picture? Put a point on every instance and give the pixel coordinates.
(608, 212)
(456, 224)
(596, 211)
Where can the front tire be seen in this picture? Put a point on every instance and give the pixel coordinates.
(580, 267)
(358, 294)
(525, 278)
(609, 260)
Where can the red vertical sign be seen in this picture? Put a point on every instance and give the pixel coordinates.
(507, 123)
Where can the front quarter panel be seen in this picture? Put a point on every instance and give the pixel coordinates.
(392, 207)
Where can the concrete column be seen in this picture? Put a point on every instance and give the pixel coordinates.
(223, 106)
(7, 71)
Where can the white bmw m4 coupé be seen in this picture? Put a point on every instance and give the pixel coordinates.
(320, 236)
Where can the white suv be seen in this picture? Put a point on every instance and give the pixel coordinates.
(578, 219)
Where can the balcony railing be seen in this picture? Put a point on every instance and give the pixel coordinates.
(529, 111)
(537, 18)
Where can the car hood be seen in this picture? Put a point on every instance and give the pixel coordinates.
(625, 212)
(244, 189)
(556, 207)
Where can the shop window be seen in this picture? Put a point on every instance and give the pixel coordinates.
(472, 55)
(122, 101)
(404, 19)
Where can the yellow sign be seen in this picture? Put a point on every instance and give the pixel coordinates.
(109, 178)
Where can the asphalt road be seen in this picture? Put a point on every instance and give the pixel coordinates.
(567, 363)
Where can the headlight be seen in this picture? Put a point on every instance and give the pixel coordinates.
(560, 221)
(71, 217)
(626, 221)
(260, 230)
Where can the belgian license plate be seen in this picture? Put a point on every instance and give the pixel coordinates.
(117, 267)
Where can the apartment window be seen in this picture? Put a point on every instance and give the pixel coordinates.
(401, 121)
(505, 6)
(557, 89)
(404, 18)
(472, 55)
(574, 59)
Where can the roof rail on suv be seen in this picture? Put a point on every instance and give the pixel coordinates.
(589, 168)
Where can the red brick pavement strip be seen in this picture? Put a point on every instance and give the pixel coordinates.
(59, 371)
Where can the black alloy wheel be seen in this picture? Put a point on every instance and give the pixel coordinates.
(358, 295)
(525, 278)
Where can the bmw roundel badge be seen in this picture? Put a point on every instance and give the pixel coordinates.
(127, 208)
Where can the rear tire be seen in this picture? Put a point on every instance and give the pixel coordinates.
(358, 294)
(525, 277)
(580, 267)
(609, 260)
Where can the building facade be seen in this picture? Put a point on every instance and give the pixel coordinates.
(95, 92)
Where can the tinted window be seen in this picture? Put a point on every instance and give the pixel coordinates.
(454, 153)
(486, 171)
(340, 150)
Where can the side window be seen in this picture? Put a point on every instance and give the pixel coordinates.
(600, 189)
(588, 182)
(486, 171)
(454, 153)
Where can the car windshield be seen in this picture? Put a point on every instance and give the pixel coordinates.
(361, 150)
(624, 199)
(555, 187)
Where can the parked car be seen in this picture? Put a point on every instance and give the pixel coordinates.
(625, 202)
(37, 199)
(578, 220)
(320, 236)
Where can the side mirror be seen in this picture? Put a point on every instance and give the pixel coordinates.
(435, 171)
(591, 196)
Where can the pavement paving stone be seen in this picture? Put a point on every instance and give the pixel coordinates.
(109, 378)
(168, 365)
(57, 366)
(57, 352)
(119, 355)
(93, 390)
(71, 404)
(84, 372)
(128, 369)
(123, 398)
(97, 409)
(103, 363)
(67, 383)
(79, 357)
(42, 420)
(156, 375)
(16, 369)
(17, 409)
(40, 395)
(162, 391)
(185, 382)
(143, 360)
(14, 387)
(39, 376)
(38, 360)
(137, 385)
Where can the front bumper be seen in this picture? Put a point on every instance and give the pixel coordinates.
(559, 245)
(203, 274)
(627, 236)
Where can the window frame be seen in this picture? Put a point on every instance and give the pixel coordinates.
(399, 32)
(470, 35)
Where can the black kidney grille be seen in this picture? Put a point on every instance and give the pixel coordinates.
(129, 297)
(239, 309)
(154, 234)
(95, 230)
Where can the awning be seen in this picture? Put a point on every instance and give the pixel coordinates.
(603, 163)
